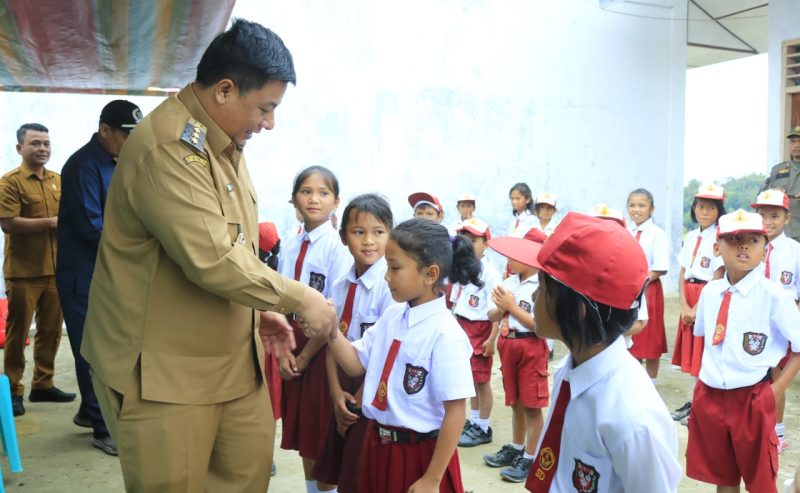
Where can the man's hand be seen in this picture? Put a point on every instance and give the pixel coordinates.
(316, 315)
(276, 334)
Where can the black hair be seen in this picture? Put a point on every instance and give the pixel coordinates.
(327, 175)
(720, 208)
(249, 54)
(525, 190)
(429, 243)
(368, 203)
(581, 329)
(646, 193)
(271, 257)
(536, 208)
(36, 127)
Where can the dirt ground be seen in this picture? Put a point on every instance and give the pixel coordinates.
(58, 457)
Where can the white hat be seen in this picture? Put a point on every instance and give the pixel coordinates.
(740, 222)
(603, 211)
(771, 197)
(476, 227)
(466, 197)
(545, 198)
(710, 191)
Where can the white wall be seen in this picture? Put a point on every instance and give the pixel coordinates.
(783, 26)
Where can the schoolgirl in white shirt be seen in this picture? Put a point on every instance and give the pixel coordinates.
(522, 207)
(545, 209)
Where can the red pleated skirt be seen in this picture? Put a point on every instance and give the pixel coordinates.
(688, 352)
(651, 343)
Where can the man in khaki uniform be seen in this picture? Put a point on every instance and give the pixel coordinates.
(786, 176)
(170, 334)
(29, 198)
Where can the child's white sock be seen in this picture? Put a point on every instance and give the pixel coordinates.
(780, 429)
(518, 446)
(526, 455)
(474, 415)
(311, 486)
(484, 424)
(653, 380)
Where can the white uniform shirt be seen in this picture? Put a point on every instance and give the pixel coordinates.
(655, 246)
(549, 229)
(522, 224)
(762, 317)
(432, 365)
(523, 294)
(372, 297)
(617, 434)
(784, 264)
(327, 259)
(472, 302)
(705, 263)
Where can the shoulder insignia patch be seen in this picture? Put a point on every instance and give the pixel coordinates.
(194, 134)
(194, 158)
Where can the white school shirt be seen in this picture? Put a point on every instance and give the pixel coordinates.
(655, 245)
(784, 264)
(617, 434)
(522, 223)
(432, 365)
(472, 302)
(372, 297)
(549, 229)
(523, 294)
(762, 320)
(326, 260)
(642, 316)
(705, 263)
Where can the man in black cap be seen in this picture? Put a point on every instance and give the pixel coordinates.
(85, 179)
(786, 176)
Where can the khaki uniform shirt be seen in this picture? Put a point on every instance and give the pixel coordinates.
(786, 175)
(23, 194)
(177, 273)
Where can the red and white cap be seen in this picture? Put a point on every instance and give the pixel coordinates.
(476, 227)
(523, 250)
(740, 222)
(710, 191)
(466, 197)
(775, 198)
(545, 198)
(603, 211)
(421, 198)
(596, 258)
(267, 236)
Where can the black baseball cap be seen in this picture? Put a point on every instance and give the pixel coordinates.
(121, 114)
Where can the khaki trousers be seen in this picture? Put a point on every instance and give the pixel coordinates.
(27, 296)
(165, 448)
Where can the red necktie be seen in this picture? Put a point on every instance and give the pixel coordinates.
(504, 329)
(381, 399)
(347, 313)
(722, 319)
(298, 265)
(638, 236)
(546, 461)
(696, 247)
(769, 250)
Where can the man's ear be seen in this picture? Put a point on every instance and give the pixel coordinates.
(223, 91)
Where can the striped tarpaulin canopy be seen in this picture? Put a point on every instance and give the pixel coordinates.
(105, 46)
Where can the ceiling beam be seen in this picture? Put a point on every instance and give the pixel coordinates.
(741, 11)
(751, 51)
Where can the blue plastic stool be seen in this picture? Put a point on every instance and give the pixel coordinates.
(8, 431)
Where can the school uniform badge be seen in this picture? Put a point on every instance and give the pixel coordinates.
(366, 326)
(525, 305)
(786, 277)
(414, 379)
(473, 300)
(754, 343)
(705, 262)
(585, 478)
(317, 281)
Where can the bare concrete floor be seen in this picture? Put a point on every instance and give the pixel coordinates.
(58, 456)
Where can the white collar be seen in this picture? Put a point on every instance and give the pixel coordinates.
(419, 313)
(371, 277)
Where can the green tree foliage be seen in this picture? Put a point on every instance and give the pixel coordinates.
(739, 194)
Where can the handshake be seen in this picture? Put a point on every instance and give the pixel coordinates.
(315, 315)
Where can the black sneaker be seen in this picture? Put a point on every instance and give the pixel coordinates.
(475, 436)
(517, 472)
(53, 394)
(467, 426)
(82, 420)
(505, 457)
(682, 411)
(16, 405)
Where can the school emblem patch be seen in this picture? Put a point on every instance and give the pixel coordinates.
(414, 379)
(705, 262)
(786, 277)
(366, 326)
(525, 305)
(547, 458)
(585, 478)
(473, 300)
(317, 281)
(754, 343)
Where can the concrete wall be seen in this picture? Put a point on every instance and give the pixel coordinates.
(783, 26)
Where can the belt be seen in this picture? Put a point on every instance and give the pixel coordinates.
(401, 435)
(516, 334)
(693, 280)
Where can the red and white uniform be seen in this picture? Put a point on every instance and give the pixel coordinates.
(651, 343)
(702, 265)
(523, 294)
(783, 258)
(522, 223)
(326, 259)
(372, 297)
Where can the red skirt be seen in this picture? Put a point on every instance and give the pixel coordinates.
(688, 352)
(306, 406)
(394, 467)
(273, 378)
(339, 458)
(651, 343)
(478, 331)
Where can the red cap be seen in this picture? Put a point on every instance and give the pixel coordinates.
(267, 236)
(523, 250)
(418, 198)
(596, 258)
(740, 221)
(774, 198)
(476, 227)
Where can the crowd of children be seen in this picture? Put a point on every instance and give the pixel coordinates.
(380, 405)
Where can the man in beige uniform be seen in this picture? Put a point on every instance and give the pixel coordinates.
(786, 176)
(177, 362)
(29, 198)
